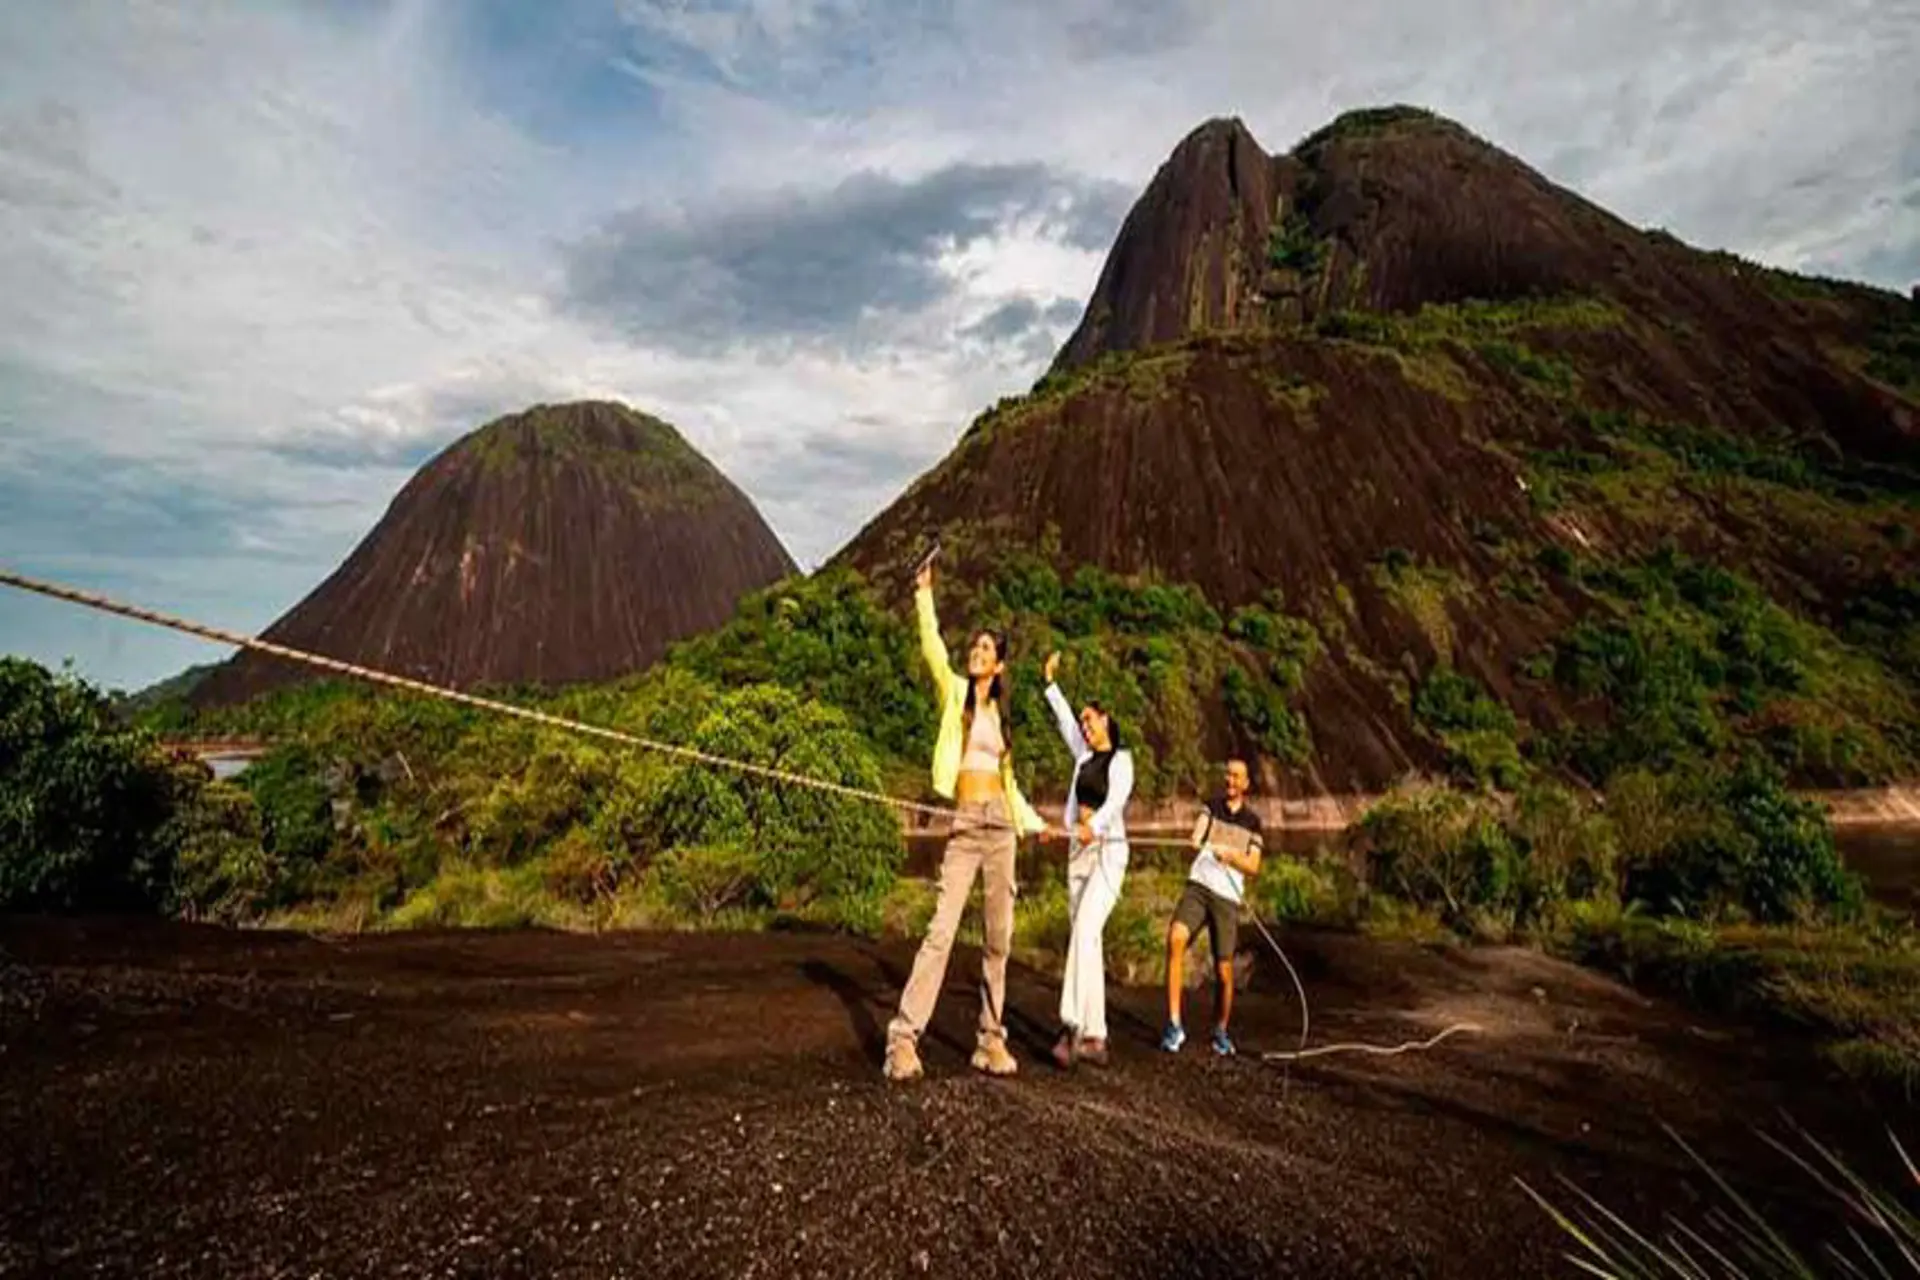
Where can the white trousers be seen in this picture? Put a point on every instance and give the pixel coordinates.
(1093, 887)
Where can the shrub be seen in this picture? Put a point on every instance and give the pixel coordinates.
(1857, 989)
(908, 908)
(829, 637)
(1555, 559)
(474, 898)
(703, 882)
(1170, 687)
(295, 806)
(84, 804)
(1486, 758)
(221, 871)
(1567, 846)
(1644, 824)
(1691, 652)
(1448, 701)
(1556, 376)
(805, 844)
(1437, 847)
(1259, 704)
(1293, 246)
(525, 809)
(1289, 644)
(1476, 729)
(581, 868)
(1484, 867)
(1713, 841)
(1135, 943)
(1027, 590)
(1258, 708)
(1042, 922)
(1292, 889)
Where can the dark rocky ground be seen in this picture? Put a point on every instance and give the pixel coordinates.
(183, 1101)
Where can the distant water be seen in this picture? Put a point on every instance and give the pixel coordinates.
(1887, 855)
(227, 766)
(924, 850)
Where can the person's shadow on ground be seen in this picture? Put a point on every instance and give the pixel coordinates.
(869, 1006)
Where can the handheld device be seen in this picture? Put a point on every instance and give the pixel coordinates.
(932, 552)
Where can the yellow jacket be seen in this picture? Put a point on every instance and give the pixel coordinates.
(952, 688)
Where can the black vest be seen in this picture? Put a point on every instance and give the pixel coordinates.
(1090, 788)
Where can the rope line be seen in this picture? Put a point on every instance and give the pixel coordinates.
(220, 636)
(1298, 986)
(92, 600)
(1378, 1050)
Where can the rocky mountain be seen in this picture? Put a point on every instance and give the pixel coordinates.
(569, 542)
(1472, 430)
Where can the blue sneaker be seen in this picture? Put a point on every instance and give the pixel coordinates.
(1221, 1044)
(1172, 1038)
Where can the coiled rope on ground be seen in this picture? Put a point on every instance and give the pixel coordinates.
(218, 635)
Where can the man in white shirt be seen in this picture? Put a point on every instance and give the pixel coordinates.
(1229, 839)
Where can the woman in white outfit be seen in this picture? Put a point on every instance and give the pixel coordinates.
(1096, 826)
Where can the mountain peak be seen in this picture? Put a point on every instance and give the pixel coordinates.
(564, 542)
(1215, 131)
(1381, 209)
(1400, 118)
(1182, 260)
(604, 435)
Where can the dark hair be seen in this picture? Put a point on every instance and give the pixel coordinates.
(1115, 738)
(997, 691)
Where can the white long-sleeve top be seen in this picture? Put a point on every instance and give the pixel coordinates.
(1109, 821)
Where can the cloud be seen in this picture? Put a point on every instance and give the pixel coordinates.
(1701, 119)
(258, 261)
(839, 264)
(1021, 316)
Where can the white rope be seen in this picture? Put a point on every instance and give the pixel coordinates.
(1382, 1051)
(1293, 973)
(217, 635)
(1300, 989)
(90, 600)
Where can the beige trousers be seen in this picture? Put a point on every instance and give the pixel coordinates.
(983, 844)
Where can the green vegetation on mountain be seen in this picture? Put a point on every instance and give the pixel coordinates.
(614, 441)
(1369, 121)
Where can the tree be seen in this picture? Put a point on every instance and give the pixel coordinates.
(84, 803)
(807, 846)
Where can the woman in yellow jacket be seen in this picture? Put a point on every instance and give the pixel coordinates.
(973, 767)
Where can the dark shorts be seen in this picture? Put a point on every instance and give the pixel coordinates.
(1221, 915)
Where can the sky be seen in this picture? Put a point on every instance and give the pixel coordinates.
(259, 262)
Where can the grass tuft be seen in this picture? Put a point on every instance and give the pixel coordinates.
(1871, 1231)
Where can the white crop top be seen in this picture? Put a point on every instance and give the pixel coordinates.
(985, 743)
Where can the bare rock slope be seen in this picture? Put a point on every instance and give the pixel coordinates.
(569, 542)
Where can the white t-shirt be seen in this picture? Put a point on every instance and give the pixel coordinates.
(1220, 827)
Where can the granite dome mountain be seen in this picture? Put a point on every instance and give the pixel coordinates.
(569, 542)
(1461, 422)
